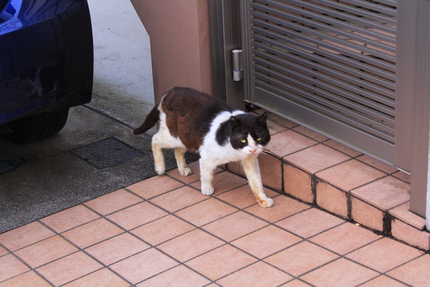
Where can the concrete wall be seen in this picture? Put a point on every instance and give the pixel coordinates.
(180, 45)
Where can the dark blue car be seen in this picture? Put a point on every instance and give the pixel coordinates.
(46, 65)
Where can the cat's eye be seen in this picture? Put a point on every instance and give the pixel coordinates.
(243, 141)
(259, 139)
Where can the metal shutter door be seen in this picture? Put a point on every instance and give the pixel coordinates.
(328, 64)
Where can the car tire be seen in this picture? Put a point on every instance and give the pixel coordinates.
(37, 127)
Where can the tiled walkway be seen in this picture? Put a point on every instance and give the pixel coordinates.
(163, 232)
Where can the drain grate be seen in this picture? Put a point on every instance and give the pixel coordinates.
(106, 153)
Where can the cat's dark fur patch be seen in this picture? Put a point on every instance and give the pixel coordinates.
(238, 128)
(223, 133)
(189, 115)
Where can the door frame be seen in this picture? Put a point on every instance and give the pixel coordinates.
(226, 36)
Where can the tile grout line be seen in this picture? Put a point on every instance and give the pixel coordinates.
(35, 269)
(84, 251)
(30, 269)
(383, 274)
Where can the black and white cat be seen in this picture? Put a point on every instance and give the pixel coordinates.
(191, 120)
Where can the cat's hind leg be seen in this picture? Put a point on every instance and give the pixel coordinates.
(252, 171)
(180, 161)
(157, 151)
(163, 139)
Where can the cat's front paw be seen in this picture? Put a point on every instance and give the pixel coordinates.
(267, 202)
(186, 171)
(207, 190)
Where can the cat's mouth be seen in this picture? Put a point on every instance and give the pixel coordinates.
(255, 152)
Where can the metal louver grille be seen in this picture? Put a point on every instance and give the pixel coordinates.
(333, 57)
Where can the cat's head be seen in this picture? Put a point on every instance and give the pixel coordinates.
(249, 133)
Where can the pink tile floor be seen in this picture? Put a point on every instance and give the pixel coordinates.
(164, 232)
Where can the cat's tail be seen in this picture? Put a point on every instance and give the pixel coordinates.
(150, 121)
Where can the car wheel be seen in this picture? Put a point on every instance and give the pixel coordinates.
(37, 127)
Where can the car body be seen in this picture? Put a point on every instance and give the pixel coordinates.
(46, 65)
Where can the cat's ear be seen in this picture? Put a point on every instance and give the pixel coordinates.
(262, 118)
(234, 121)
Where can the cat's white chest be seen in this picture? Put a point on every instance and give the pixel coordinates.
(219, 154)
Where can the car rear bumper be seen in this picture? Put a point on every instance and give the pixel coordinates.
(46, 64)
